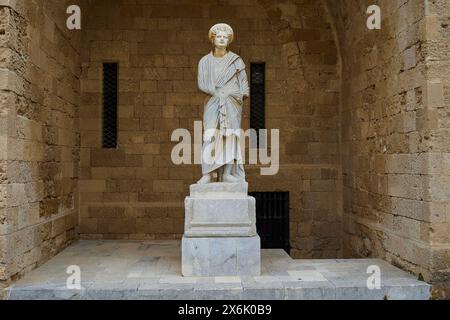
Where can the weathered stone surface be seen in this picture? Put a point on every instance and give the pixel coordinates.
(395, 84)
(220, 236)
(364, 148)
(158, 62)
(220, 210)
(156, 275)
(221, 256)
(39, 100)
(234, 190)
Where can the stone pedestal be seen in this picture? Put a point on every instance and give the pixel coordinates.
(220, 236)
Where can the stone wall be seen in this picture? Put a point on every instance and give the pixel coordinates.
(134, 191)
(364, 152)
(394, 128)
(437, 116)
(39, 139)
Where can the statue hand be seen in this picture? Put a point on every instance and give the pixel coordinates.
(220, 93)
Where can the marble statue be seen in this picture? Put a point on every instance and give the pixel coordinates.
(222, 75)
(220, 237)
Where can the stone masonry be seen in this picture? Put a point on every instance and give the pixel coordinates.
(395, 135)
(135, 192)
(39, 140)
(363, 118)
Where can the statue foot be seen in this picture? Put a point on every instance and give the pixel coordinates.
(205, 179)
(230, 178)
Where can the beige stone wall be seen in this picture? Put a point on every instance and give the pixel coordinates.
(437, 97)
(395, 144)
(135, 192)
(39, 139)
(388, 130)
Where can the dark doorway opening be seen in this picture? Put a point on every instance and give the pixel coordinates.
(272, 219)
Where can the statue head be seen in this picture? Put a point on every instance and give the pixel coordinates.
(221, 35)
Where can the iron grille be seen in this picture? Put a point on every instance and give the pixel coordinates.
(258, 97)
(272, 219)
(110, 76)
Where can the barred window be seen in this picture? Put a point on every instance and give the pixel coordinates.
(258, 98)
(110, 100)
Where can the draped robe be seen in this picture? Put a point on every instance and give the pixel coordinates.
(225, 81)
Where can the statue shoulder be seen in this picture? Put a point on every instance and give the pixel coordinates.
(204, 59)
(240, 64)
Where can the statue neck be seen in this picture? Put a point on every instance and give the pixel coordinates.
(220, 52)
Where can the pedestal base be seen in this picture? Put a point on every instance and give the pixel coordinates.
(214, 257)
(220, 237)
(220, 210)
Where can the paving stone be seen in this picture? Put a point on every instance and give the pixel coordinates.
(359, 293)
(408, 292)
(227, 279)
(177, 291)
(309, 290)
(263, 290)
(307, 275)
(149, 289)
(111, 278)
(223, 291)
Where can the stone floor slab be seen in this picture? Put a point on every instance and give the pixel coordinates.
(150, 270)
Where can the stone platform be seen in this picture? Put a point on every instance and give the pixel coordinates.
(220, 237)
(152, 270)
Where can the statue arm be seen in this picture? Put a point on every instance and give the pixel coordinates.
(245, 89)
(242, 77)
(202, 85)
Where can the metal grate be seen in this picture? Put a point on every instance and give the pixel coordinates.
(272, 219)
(110, 75)
(258, 97)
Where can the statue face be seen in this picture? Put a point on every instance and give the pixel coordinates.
(221, 40)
